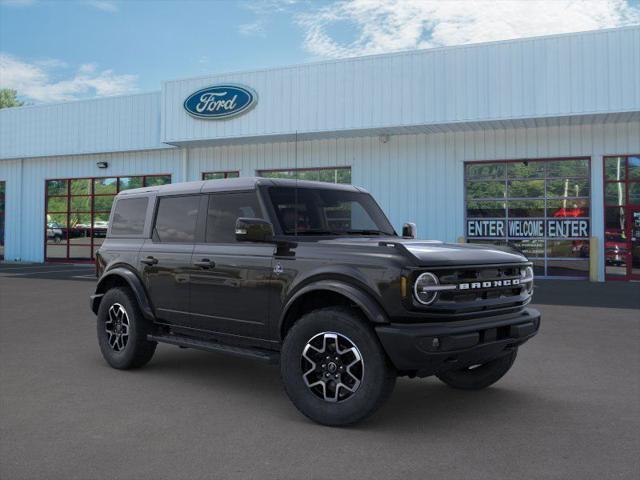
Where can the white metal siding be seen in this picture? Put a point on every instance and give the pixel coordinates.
(547, 77)
(90, 126)
(25, 195)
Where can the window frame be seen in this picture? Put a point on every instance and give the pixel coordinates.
(92, 246)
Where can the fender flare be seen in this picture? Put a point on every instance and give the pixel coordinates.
(369, 306)
(133, 281)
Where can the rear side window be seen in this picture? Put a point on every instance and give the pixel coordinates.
(224, 210)
(129, 215)
(176, 219)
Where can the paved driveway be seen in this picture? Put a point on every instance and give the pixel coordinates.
(568, 409)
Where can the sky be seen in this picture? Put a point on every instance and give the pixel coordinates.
(59, 50)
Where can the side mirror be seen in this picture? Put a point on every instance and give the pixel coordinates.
(253, 230)
(409, 230)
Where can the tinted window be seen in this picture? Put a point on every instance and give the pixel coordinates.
(128, 217)
(224, 210)
(176, 219)
(311, 211)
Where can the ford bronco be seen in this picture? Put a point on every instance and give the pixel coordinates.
(310, 276)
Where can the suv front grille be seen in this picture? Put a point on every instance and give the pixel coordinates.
(478, 290)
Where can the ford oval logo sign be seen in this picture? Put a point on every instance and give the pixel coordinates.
(220, 101)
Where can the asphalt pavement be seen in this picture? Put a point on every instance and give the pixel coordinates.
(568, 409)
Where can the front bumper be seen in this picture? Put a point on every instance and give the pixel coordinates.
(425, 349)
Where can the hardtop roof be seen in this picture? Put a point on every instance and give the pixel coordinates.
(234, 184)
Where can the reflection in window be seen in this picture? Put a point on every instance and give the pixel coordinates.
(526, 188)
(568, 188)
(573, 207)
(485, 171)
(536, 193)
(77, 212)
(633, 168)
(615, 168)
(329, 175)
(488, 189)
(486, 209)
(219, 175)
(614, 193)
(526, 169)
(176, 219)
(526, 208)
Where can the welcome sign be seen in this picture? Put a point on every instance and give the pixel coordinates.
(219, 102)
(528, 228)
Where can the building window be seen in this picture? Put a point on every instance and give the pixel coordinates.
(329, 174)
(219, 175)
(622, 217)
(540, 207)
(77, 212)
(2, 210)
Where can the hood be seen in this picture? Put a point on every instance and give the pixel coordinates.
(436, 253)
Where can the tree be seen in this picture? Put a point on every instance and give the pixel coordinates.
(8, 98)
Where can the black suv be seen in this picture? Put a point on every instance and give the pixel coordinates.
(311, 276)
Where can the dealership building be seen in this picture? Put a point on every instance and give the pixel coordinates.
(533, 142)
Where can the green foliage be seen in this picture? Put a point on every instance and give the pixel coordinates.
(8, 98)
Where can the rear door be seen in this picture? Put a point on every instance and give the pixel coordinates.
(230, 291)
(166, 257)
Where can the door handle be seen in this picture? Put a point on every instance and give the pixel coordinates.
(149, 260)
(205, 263)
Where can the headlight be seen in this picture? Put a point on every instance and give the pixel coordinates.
(526, 278)
(425, 289)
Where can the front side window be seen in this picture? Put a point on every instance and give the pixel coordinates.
(129, 215)
(176, 219)
(310, 211)
(224, 209)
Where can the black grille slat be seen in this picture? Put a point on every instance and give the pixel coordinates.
(481, 300)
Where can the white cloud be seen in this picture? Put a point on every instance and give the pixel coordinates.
(104, 5)
(252, 29)
(389, 25)
(36, 81)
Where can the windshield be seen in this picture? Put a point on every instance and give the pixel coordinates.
(317, 211)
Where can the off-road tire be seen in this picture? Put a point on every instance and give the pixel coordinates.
(481, 376)
(137, 351)
(378, 375)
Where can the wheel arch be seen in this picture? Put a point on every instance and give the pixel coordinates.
(329, 293)
(122, 277)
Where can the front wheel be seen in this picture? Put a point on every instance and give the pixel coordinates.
(477, 377)
(122, 331)
(334, 368)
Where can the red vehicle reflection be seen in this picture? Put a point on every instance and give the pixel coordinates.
(615, 248)
(570, 212)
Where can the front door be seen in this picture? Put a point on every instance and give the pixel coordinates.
(230, 291)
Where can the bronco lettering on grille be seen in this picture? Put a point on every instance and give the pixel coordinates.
(489, 284)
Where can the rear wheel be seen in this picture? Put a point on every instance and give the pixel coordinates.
(334, 368)
(122, 331)
(477, 377)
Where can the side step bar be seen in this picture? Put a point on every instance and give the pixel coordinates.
(213, 346)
